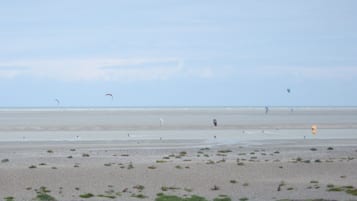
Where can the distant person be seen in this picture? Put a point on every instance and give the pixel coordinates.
(215, 122)
(266, 109)
(314, 129)
(161, 122)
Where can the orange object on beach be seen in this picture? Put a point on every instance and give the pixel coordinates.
(314, 129)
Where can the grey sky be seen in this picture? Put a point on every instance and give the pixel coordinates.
(178, 53)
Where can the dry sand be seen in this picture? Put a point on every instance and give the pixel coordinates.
(188, 166)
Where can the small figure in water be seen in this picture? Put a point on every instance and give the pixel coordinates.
(161, 122)
(215, 137)
(215, 122)
(266, 109)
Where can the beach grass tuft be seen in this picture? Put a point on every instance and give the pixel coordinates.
(305, 200)
(139, 187)
(210, 162)
(222, 198)
(130, 166)
(183, 153)
(347, 189)
(224, 151)
(166, 188)
(163, 197)
(9, 198)
(106, 196)
(141, 196)
(86, 195)
(42, 195)
(317, 161)
(352, 191)
(215, 188)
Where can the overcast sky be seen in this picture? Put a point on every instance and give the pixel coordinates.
(178, 53)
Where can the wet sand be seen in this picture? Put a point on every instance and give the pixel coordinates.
(234, 124)
(247, 159)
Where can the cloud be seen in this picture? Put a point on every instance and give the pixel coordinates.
(146, 69)
(303, 72)
(11, 71)
(108, 69)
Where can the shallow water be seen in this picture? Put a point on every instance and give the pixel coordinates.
(234, 124)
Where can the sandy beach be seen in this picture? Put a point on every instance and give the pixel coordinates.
(134, 160)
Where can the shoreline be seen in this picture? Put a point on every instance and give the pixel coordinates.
(140, 124)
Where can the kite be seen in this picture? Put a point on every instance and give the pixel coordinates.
(110, 95)
(58, 102)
